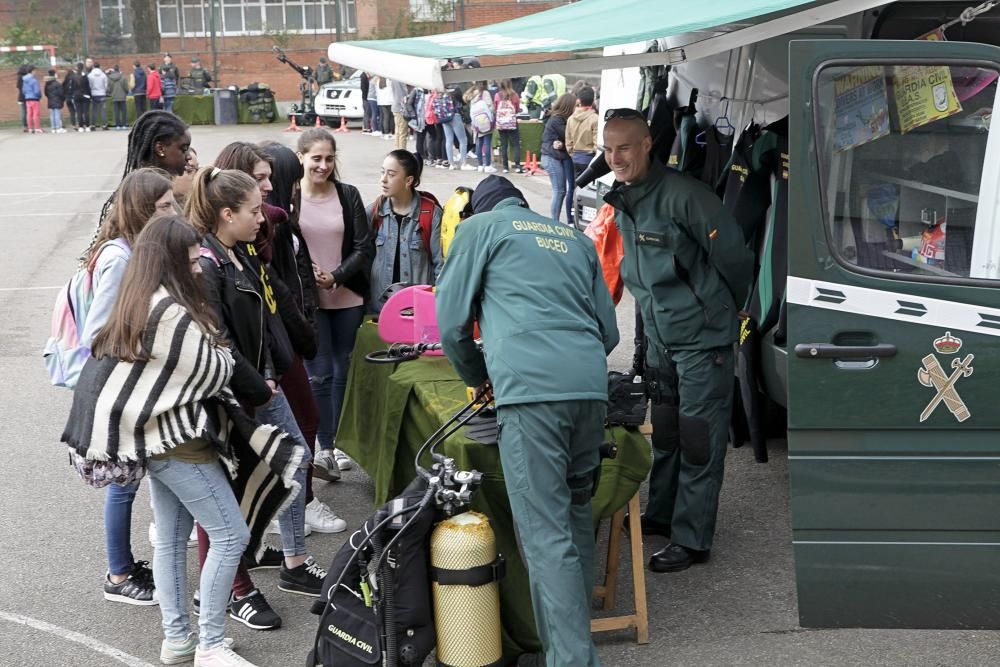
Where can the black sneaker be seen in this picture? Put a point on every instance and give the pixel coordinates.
(196, 603)
(306, 579)
(254, 612)
(271, 559)
(137, 588)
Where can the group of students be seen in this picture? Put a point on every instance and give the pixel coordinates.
(86, 89)
(237, 289)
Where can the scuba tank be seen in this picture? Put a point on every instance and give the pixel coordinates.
(465, 570)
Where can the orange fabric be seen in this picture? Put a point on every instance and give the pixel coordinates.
(608, 243)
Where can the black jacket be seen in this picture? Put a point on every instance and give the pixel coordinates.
(76, 86)
(292, 268)
(252, 307)
(555, 130)
(358, 249)
(54, 93)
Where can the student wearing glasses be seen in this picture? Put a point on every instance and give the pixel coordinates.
(690, 271)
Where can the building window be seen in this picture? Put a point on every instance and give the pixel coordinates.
(432, 10)
(114, 13)
(251, 17)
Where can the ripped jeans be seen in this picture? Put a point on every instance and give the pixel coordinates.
(336, 332)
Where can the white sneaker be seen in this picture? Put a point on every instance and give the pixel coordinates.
(479, 168)
(192, 538)
(468, 167)
(275, 528)
(325, 466)
(175, 654)
(220, 656)
(490, 169)
(322, 519)
(452, 167)
(344, 461)
(376, 133)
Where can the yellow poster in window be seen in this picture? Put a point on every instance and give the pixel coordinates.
(924, 94)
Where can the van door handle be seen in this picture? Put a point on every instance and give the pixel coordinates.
(831, 351)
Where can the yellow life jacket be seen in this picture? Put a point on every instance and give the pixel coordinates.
(456, 209)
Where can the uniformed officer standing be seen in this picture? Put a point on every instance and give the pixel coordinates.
(547, 324)
(688, 267)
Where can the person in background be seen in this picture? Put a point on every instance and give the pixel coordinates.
(385, 98)
(508, 105)
(169, 68)
(324, 73)
(138, 84)
(18, 82)
(400, 93)
(55, 95)
(200, 78)
(448, 107)
(482, 119)
(118, 92)
(168, 83)
(98, 94)
(183, 183)
(76, 89)
(371, 103)
(331, 216)
(366, 118)
(154, 88)
(555, 159)
(581, 131)
(32, 92)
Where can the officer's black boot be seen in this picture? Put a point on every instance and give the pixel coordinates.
(674, 558)
(649, 527)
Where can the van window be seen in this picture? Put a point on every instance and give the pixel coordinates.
(902, 150)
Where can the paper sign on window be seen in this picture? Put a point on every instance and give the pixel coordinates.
(862, 107)
(924, 94)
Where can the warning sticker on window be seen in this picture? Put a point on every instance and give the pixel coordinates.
(924, 94)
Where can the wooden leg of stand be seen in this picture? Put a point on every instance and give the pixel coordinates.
(638, 572)
(614, 559)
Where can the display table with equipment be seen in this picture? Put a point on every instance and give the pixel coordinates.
(193, 110)
(391, 409)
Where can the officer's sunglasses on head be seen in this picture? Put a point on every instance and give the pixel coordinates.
(624, 113)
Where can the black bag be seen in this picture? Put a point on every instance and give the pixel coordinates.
(627, 400)
(351, 626)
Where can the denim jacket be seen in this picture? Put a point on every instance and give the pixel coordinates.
(416, 265)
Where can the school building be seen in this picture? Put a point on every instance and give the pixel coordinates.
(246, 31)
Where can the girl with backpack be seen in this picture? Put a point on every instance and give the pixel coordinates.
(142, 195)
(157, 387)
(482, 116)
(508, 105)
(407, 227)
(434, 134)
(448, 109)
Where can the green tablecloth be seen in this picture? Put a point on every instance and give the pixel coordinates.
(192, 109)
(389, 411)
(531, 139)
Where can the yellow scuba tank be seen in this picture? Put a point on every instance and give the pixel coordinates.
(456, 209)
(465, 569)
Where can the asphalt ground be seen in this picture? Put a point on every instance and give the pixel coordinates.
(738, 609)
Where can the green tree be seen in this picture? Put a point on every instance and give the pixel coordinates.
(20, 33)
(145, 26)
(111, 40)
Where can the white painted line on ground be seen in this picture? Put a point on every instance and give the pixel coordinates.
(55, 192)
(50, 215)
(29, 289)
(72, 636)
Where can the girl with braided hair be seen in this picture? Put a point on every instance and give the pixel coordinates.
(157, 139)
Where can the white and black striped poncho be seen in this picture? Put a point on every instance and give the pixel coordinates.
(129, 411)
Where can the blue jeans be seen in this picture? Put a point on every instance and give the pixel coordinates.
(182, 493)
(336, 331)
(562, 177)
(483, 150)
(118, 527)
(291, 521)
(55, 118)
(168, 104)
(455, 129)
(373, 119)
(98, 116)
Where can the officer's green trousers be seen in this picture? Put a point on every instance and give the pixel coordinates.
(690, 416)
(550, 454)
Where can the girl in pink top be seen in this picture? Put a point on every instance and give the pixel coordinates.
(334, 225)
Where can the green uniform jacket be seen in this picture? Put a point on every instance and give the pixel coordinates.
(685, 260)
(544, 311)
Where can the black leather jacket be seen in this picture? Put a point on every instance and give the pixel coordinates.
(291, 267)
(257, 314)
(358, 249)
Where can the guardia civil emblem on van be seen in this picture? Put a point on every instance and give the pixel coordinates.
(934, 375)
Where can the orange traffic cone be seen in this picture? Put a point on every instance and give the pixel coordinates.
(343, 125)
(294, 127)
(319, 122)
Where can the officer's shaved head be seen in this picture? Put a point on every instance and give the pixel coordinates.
(627, 143)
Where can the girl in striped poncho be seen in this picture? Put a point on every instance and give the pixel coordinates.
(155, 392)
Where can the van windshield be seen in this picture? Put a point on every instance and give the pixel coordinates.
(902, 149)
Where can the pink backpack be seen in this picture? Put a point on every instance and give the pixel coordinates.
(429, 116)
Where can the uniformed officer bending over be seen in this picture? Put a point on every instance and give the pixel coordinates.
(689, 270)
(547, 323)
